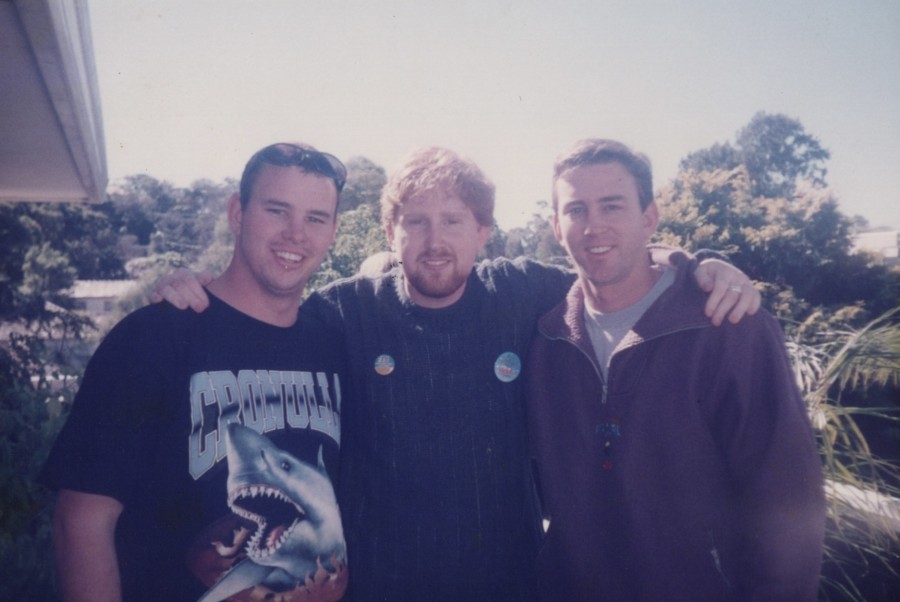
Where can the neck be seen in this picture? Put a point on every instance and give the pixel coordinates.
(270, 308)
(611, 297)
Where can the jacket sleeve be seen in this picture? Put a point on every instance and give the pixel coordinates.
(763, 427)
(545, 285)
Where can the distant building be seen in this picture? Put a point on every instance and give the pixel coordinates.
(98, 297)
(883, 243)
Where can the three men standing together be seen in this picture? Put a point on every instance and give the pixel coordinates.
(436, 489)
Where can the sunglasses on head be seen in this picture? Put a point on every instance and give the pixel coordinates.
(285, 154)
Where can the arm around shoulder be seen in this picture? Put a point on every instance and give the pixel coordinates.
(183, 289)
(84, 526)
(731, 292)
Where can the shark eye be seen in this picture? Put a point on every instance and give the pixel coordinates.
(286, 466)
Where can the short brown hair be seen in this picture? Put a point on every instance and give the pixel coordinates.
(292, 154)
(438, 169)
(595, 151)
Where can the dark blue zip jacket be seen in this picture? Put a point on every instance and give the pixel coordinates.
(691, 473)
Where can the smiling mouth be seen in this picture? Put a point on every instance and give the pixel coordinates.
(599, 250)
(436, 262)
(289, 258)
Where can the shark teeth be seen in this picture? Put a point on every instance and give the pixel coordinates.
(273, 512)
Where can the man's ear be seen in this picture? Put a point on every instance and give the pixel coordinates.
(557, 231)
(389, 233)
(334, 228)
(235, 214)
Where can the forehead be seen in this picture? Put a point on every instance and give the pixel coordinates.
(292, 184)
(435, 201)
(597, 180)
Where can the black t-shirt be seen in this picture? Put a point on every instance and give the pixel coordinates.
(179, 411)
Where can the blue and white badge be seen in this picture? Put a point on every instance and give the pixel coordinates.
(508, 367)
(384, 364)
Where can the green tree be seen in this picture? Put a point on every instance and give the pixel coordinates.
(365, 180)
(776, 151)
(154, 217)
(496, 244)
(135, 202)
(27, 429)
(359, 235)
(36, 364)
(799, 248)
(43, 242)
(536, 239)
(187, 227)
(41, 264)
(84, 234)
(16, 234)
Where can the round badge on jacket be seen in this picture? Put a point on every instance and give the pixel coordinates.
(384, 364)
(507, 367)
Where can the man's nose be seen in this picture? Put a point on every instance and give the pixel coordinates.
(434, 236)
(295, 229)
(595, 222)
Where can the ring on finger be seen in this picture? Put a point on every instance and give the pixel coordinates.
(735, 288)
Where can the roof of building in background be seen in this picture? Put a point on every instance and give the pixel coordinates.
(51, 129)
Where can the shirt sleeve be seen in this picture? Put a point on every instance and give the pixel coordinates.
(109, 435)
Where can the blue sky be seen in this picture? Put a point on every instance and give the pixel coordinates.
(190, 88)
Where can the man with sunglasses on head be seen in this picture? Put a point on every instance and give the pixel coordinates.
(436, 489)
(200, 457)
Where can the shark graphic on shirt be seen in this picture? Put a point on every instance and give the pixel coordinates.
(298, 529)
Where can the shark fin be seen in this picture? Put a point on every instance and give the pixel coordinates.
(243, 575)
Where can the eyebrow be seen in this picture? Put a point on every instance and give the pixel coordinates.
(613, 198)
(440, 214)
(286, 205)
(320, 213)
